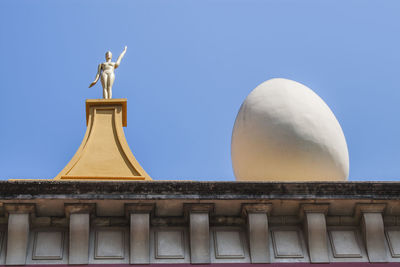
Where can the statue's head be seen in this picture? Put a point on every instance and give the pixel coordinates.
(108, 55)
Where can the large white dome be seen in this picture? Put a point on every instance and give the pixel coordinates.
(286, 132)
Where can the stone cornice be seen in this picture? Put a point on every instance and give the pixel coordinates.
(34, 189)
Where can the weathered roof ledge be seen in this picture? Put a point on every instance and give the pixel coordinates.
(51, 189)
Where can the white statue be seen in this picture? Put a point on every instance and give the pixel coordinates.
(106, 73)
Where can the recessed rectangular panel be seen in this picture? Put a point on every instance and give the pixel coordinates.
(169, 244)
(287, 244)
(344, 244)
(48, 245)
(228, 245)
(109, 244)
(393, 237)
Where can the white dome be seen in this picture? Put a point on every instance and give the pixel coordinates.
(286, 132)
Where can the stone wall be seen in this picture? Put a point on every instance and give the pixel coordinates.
(198, 223)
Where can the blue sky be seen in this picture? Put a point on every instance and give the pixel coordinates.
(189, 66)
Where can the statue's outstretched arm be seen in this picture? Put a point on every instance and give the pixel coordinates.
(120, 58)
(97, 76)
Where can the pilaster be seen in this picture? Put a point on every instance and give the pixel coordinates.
(139, 232)
(257, 228)
(315, 230)
(79, 230)
(373, 231)
(18, 232)
(199, 232)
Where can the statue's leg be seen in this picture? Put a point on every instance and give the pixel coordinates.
(104, 82)
(111, 79)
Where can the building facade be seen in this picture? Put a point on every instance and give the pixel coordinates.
(161, 222)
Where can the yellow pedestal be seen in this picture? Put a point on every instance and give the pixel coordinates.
(104, 153)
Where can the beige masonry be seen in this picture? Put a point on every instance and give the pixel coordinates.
(104, 153)
(67, 228)
(257, 229)
(79, 238)
(17, 241)
(316, 234)
(374, 235)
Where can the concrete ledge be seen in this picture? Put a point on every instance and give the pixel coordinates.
(34, 189)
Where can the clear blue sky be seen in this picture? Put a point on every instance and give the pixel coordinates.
(189, 66)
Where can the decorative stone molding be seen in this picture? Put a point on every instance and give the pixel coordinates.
(169, 244)
(48, 244)
(109, 243)
(287, 243)
(284, 220)
(20, 208)
(361, 208)
(360, 228)
(140, 208)
(313, 208)
(79, 208)
(198, 207)
(256, 208)
(344, 242)
(393, 238)
(229, 244)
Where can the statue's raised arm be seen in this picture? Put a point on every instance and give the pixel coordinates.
(105, 72)
(120, 57)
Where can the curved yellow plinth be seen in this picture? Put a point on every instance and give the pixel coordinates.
(104, 153)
